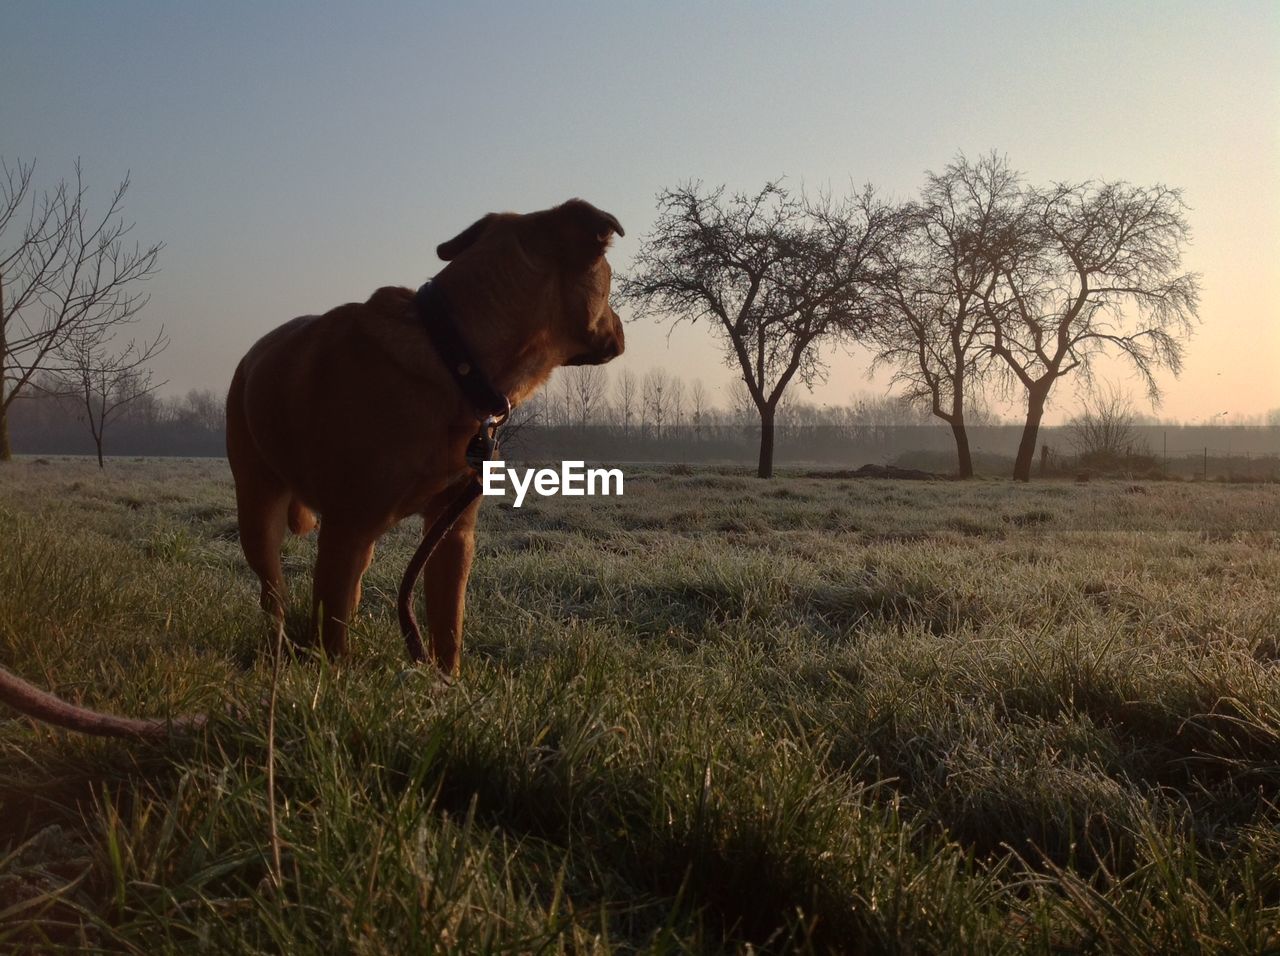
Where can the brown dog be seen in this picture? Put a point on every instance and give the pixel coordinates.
(353, 414)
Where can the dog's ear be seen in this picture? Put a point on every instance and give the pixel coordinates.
(579, 232)
(449, 250)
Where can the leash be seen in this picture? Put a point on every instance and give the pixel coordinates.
(481, 448)
(433, 310)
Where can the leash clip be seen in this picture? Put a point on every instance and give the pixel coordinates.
(484, 443)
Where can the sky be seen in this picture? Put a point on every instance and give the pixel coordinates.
(293, 157)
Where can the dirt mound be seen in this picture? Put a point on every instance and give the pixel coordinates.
(880, 471)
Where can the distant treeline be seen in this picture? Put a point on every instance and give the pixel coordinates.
(191, 425)
(1155, 451)
(867, 430)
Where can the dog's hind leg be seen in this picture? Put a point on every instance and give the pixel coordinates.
(344, 555)
(262, 529)
(262, 505)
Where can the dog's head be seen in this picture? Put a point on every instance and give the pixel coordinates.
(565, 245)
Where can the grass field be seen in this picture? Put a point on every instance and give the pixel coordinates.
(716, 714)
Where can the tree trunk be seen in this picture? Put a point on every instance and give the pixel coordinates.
(5, 452)
(766, 443)
(98, 443)
(1027, 447)
(964, 460)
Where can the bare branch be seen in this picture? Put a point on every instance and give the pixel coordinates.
(104, 381)
(68, 278)
(932, 327)
(776, 274)
(1094, 267)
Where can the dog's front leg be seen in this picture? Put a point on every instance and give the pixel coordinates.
(344, 556)
(445, 584)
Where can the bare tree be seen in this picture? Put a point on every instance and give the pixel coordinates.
(933, 328)
(891, 410)
(1094, 266)
(559, 399)
(677, 401)
(628, 397)
(741, 407)
(524, 420)
(777, 276)
(106, 382)
(698, 406)
(587, 386)
(202, 408)
(64, 272)
(149, 411)
(656, 398)
(1105, 431)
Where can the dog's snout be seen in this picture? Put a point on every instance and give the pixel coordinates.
(619, 338)
(606, 345)
(615, 341)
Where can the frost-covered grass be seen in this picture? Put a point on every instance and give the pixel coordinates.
(717, 713)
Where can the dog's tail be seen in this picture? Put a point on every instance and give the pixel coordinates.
(44, 706)
(301, 518)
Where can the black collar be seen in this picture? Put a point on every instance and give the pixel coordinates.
(433, 310)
